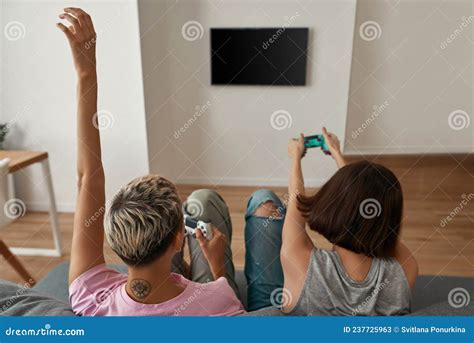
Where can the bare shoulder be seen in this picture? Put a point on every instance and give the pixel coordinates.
(408, 263)
(295, 270)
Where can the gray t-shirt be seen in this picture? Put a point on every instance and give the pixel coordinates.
(329, 290)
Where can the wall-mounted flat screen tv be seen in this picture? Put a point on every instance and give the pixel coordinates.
(259, 56)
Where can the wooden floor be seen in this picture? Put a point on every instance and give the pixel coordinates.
(433, 186)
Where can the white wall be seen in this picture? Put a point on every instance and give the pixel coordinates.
(411, 74)
(421, 68)
(38, 95)
(233, 141)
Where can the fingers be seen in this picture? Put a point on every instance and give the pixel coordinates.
(65, 29)
(82, 26)
(326, 134)
(78, 12)
(216, 233)
(302, 145)
(73, 20)
(81, 15)
(200, 238)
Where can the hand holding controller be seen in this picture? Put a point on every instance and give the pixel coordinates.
(212, 242)
(316, 141)
(192, 224)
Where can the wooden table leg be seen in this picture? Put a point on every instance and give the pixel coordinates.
(16, 264)
(53, 213)
(53, 217)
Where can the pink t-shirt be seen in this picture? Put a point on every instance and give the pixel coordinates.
(101, 292)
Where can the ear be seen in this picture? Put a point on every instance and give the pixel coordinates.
(179, 238)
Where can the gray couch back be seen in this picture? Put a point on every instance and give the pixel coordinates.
(50, 296)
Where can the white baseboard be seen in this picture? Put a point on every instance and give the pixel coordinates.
(407, 150)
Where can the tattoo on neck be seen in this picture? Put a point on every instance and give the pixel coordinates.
(140, 288)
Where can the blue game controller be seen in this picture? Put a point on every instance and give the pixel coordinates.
(316, 141)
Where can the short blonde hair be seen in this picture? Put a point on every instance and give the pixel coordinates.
(142, 219)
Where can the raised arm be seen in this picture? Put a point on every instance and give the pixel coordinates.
(88, 235)
(296, 244)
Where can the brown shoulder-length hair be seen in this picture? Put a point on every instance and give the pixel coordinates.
(359, 209)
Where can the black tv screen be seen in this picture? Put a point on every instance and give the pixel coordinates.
(259, 56)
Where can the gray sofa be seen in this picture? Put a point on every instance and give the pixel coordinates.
(50, 296)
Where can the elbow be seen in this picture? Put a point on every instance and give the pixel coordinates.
(86, 178)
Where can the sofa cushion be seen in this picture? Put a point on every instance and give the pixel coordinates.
(445, 309)
(17, 300)
(55, 283)
(50, 296)
(431, 290)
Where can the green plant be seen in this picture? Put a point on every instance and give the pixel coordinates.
(3, 133)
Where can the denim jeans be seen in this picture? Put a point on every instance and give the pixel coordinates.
(209, 206)
(262, 243)
(263, 236)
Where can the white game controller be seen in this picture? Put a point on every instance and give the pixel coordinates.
(191, 225)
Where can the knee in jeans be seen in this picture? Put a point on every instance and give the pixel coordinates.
(268, 209)
(263, 193)
(265, 203)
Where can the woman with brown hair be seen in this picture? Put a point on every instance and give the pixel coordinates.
(369, 271)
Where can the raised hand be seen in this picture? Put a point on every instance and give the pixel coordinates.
(334, 147)
(296, 149)
(82, 39)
